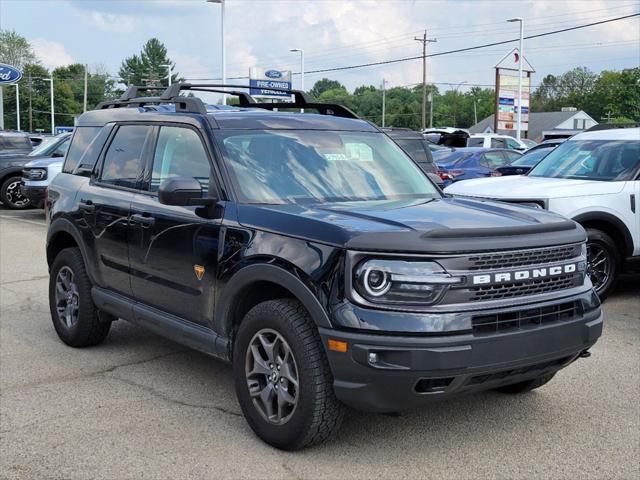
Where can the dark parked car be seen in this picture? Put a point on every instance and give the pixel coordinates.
(522, 165)
(417, 147)
(472, 162)
(14, 143)
(310, 252)
(11, 166)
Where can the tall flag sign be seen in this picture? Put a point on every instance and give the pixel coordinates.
(506, 106)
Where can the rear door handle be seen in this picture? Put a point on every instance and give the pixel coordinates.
(143, 220)
(87, 206)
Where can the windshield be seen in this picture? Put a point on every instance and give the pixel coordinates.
(48, 146)
(285, 166)
(603, 160)
(450, 157)
(530, 159)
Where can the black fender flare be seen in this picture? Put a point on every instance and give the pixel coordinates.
(59, 225)
(9, 172)
(268, 273)
(612, 219)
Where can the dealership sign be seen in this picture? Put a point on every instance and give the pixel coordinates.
(263, 80)
(506, 108)
(9, 74)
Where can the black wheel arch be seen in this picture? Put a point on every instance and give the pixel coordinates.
(269, 281)
(63, 234)
(9, 172)
(609, 224)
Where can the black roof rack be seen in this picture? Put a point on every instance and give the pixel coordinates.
(610, 126)
(194, 105)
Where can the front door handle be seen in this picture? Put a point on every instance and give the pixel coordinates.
(87, 206)
(143, 220)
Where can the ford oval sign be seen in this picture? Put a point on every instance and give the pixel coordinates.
(9, 74)
(273, 74)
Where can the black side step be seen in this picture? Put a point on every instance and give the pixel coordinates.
(174, 328)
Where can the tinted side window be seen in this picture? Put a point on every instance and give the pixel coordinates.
(61, 149)
(475, 142)
(511, 156)
(512, 144)
(179, 153)
(498, 143)
(82, 138)
(493, 160)
(123, 159)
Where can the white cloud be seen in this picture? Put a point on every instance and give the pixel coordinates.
(51, 54)
(109, 22)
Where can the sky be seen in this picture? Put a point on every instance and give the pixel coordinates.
(332, 33)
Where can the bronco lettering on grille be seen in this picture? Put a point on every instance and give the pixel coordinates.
(519, 275)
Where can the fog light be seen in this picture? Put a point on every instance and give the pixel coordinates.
(373, 358)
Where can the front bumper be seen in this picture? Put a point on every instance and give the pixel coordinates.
(410, 371)
(35, 194)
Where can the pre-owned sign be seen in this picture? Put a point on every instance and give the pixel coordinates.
(263, 80)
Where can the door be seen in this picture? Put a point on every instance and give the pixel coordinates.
(173, 250)
(104, 204)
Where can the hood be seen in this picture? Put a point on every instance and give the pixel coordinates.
(532, 188)
(428, 226)
(44, 161)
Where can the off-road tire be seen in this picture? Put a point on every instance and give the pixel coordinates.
(605, 242)
(4, 198)
(526, 386)
(318, 413)
(90, 328)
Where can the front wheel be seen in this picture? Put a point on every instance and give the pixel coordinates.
(11, 196)
(603, 261)
(282, 376)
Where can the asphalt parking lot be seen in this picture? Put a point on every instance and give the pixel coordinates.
(139, 406)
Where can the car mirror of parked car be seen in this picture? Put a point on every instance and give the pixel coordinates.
(182, 191)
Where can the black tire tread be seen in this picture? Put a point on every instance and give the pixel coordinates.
(605, 238)
(328, 412)
(90, 331)
(3, 197)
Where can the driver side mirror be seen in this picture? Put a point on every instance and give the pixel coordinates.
(183, 192)
(57, 155)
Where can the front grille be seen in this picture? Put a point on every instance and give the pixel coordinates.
(523, 257)
(539, 367)
(527, 287)
(531, 318)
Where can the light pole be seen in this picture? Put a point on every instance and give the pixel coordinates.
(17, 107)
(520, 60)
(169, 68)
(301, 69)
(223, 58)
(53, 126)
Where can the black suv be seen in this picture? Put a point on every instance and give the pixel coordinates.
(310, 252)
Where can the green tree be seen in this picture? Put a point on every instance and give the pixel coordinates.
(324, 85)
(15, 50)
(99, 85)
(149, 67)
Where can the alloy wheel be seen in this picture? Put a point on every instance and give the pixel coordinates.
(598, 265)
(67, 297)
(272, 376)
(15, 196)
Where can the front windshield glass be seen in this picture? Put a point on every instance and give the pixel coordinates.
(605, 160)
(530, 159)
(44, 148)
(285, 166)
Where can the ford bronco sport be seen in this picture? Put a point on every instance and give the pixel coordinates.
(311, 253)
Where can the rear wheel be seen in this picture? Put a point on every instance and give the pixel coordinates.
(603, 261)
(11, 196)
(282, 376)
(526, 386)
(75, 317)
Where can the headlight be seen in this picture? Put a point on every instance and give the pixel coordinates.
(401, 282)
(36, 174)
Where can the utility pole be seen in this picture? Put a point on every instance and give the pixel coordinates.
(424, 41)
(384, 100)
(17, 106)
(86, 78)
(30, 106)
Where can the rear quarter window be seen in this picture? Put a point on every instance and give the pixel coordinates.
(82, 139)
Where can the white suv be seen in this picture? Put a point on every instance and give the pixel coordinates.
(593, 178)
(495, 140)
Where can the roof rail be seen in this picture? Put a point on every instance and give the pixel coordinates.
(133, 91)
(300, 98)
(195, 105)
